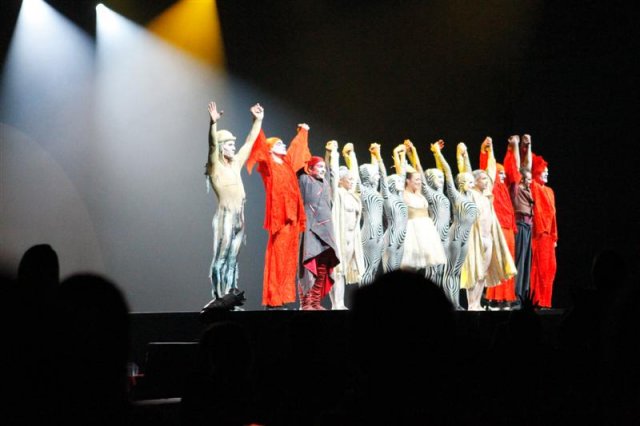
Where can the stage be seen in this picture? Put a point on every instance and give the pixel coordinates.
(164, 345)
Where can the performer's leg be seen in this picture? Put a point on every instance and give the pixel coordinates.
(230, 267)
(523, 260)
(225, 236)
(372, 249)
(337, 293)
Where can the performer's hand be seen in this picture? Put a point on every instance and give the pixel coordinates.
(331, 146)
(213, 112)
(514, 140)
(374, 149)
(437, 146)
(487, 144)
(304, 126)
(347, 149)
(400, 149)
(462, 149)
(526, 140)
(257, 111)
(408, 144)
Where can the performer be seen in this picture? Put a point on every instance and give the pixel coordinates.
(284, 213)
(318, 249)
(372, 177)
(396, 214)
(488, 260)
(502, 296)
(545, 235)
(346, 215)
(519, 181)
(465, 213)
(423, 248)
(223, 174)
(439, 204)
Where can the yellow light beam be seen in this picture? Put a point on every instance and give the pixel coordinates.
(192, 26)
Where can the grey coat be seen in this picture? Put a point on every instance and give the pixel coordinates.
(318, 235)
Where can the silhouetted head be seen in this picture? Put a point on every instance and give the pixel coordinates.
(225, 350)
(401, 319)
(39, 268)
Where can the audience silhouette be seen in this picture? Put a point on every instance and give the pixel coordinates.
(220, 390)
(403, 344)
(406, 361)
(90, 352)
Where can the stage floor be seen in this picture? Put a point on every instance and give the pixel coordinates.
(164, 345)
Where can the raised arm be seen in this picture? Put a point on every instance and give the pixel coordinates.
(332, 159)
(487, 158)
(376, 158)
(243, 153)
(352, 164)
(452, 191)
(412, 155)
(462, 157)
(399, 159)
(512, 161)
(525, 157)
(298, 153)
(214, 151)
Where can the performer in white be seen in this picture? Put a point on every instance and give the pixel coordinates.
(346, 214)
(488, 261)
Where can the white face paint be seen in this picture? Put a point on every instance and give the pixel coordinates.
(544, 176)
(347, 182)
(279, 148)
(318, 170)
(502, 176)
(229, 149)
(469, 182)
(481, 182)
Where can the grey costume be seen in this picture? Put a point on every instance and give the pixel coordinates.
(372, 220)
(465, 213)
(396, 213)
(318, 235)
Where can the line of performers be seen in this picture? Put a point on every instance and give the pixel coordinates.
(490, 231)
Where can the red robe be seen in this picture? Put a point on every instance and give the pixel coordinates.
(543, 243)
(284, 217)
(505, 291)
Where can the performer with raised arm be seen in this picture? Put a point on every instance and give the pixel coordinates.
(502, 296)
(465, 213)
(488, 260)
(439, 204)
(423, 248)
(318, 249)
(519, 182)
(284, 212)
(545, 235)
(396, 213)
(223, 174)
(372, 177)
(346, 215)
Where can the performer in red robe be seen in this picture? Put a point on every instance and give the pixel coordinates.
(284, 217)
(502, 295)
(545, 235)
